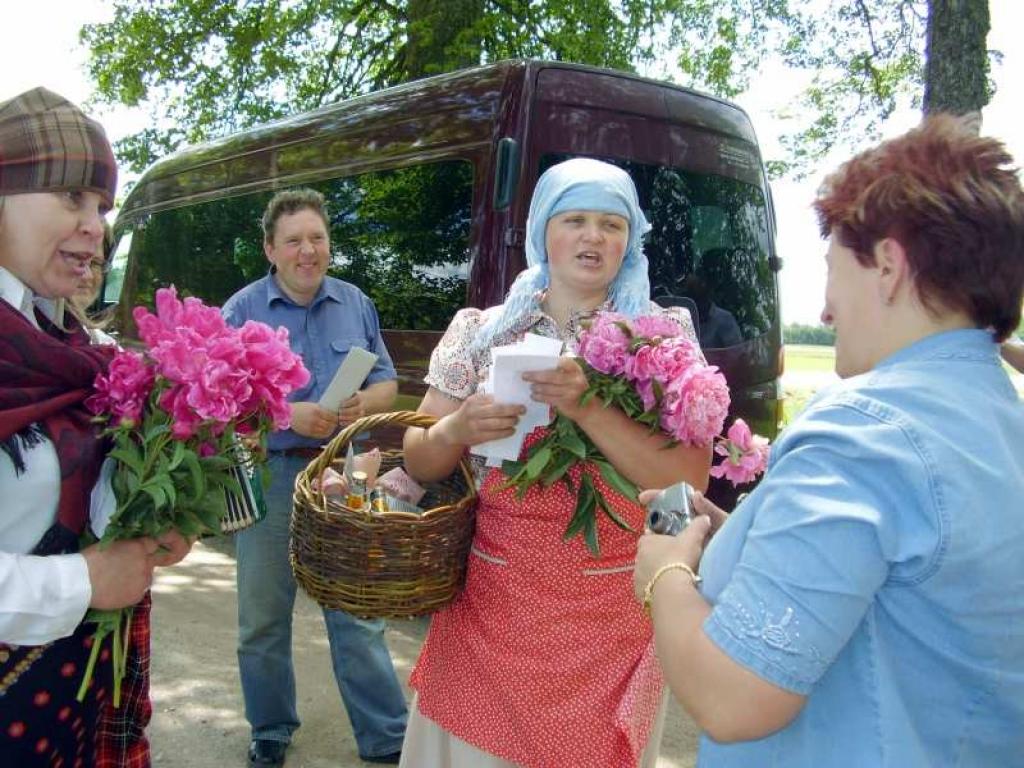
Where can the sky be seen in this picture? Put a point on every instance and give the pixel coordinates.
(48, 54)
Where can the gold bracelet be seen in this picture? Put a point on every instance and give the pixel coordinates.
(649, 589)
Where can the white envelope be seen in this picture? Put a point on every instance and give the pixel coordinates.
(505, 383)
(348, 378)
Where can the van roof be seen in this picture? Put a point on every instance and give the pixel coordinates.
(278, 153)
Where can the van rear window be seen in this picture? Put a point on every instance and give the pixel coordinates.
(401, 235)
(708, 248)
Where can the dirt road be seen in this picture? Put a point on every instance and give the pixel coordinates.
(198, 719)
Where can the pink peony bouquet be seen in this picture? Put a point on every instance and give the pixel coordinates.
(177, 413)
(645, 367)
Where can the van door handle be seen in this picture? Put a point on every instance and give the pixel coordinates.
(515, 237)
(506, 176)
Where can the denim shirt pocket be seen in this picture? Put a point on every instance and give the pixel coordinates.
(340, 347)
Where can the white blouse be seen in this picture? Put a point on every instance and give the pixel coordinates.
(41, 598)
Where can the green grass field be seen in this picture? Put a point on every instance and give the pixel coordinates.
(803, 361)
(805, 357)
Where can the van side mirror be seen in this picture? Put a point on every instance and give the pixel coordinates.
(506, 173)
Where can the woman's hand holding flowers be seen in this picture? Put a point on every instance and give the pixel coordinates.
(120, 573)
(478, 420)
(561, 388)
(173, 547)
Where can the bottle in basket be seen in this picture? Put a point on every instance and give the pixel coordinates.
(378, 500)
(356, 498)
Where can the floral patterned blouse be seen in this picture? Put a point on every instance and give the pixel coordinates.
(457, 368)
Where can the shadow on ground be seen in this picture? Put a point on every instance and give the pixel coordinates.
(198, 719)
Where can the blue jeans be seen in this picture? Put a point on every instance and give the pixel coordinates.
(266, 597)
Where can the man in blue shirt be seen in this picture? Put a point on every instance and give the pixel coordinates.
(325, 317)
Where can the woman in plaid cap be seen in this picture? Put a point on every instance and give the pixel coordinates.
(57, 179)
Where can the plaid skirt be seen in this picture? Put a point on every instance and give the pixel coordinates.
(42, 723)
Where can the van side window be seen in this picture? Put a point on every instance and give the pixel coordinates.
(209, 250)
(708, 248)
(401, 235)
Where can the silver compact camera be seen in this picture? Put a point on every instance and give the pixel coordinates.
(670, 512)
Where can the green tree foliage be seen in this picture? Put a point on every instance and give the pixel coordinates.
(211, 67)
(797, 333)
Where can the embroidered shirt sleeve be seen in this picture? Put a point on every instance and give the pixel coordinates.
(681, 315)
(453, 369)
(823, 540)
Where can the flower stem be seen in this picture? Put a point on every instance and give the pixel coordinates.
(97, 640)
(118, 672)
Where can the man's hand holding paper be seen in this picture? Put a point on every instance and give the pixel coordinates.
(351, 409)
(310, 420)
(347, 380)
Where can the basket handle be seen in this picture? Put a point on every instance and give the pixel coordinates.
(340, 442)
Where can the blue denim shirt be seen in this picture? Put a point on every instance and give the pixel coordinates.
(339, 317)
(878, 569)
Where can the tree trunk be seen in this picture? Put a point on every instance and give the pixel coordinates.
(956, 72)
(442, 36)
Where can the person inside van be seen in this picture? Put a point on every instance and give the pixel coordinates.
(716, 327)
(863, 605)
(88, 291)
(544, 659)
(325, 317)
(89, 286)
(57, 178)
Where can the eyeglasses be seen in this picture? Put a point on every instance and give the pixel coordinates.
(99, 265)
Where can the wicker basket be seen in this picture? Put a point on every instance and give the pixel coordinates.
(387, 565)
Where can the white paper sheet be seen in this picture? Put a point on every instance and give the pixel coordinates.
(348, 378)
(505, 382)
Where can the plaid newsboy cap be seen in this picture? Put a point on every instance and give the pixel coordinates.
(47, 143)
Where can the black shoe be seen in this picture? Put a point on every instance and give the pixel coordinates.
(263, 752)
(391, 758)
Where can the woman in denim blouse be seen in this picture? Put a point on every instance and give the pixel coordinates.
(863, 606)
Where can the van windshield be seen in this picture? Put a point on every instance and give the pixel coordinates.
(708, 248)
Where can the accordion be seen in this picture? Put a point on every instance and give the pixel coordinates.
(248, 507)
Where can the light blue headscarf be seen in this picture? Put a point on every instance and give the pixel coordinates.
(580, 184)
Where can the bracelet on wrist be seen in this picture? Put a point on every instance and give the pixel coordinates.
(649, 589)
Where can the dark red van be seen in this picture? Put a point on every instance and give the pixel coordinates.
(429, 184)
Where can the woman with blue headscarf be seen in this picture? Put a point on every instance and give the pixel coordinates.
(545, 658)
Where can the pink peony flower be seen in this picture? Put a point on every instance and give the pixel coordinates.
(656, 326)
(185, 422)
(172, 316)
(666, 361)
(745, 454)
(218, 374)
(695, 405)
(124, 389)
(605, 345)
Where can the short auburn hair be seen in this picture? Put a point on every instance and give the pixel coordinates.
(953, 200)
(292, 201)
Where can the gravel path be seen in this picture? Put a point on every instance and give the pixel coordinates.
(198, 720)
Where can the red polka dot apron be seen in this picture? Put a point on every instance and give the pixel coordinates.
(545, 658)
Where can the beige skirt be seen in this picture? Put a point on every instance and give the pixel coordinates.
(428, 745)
